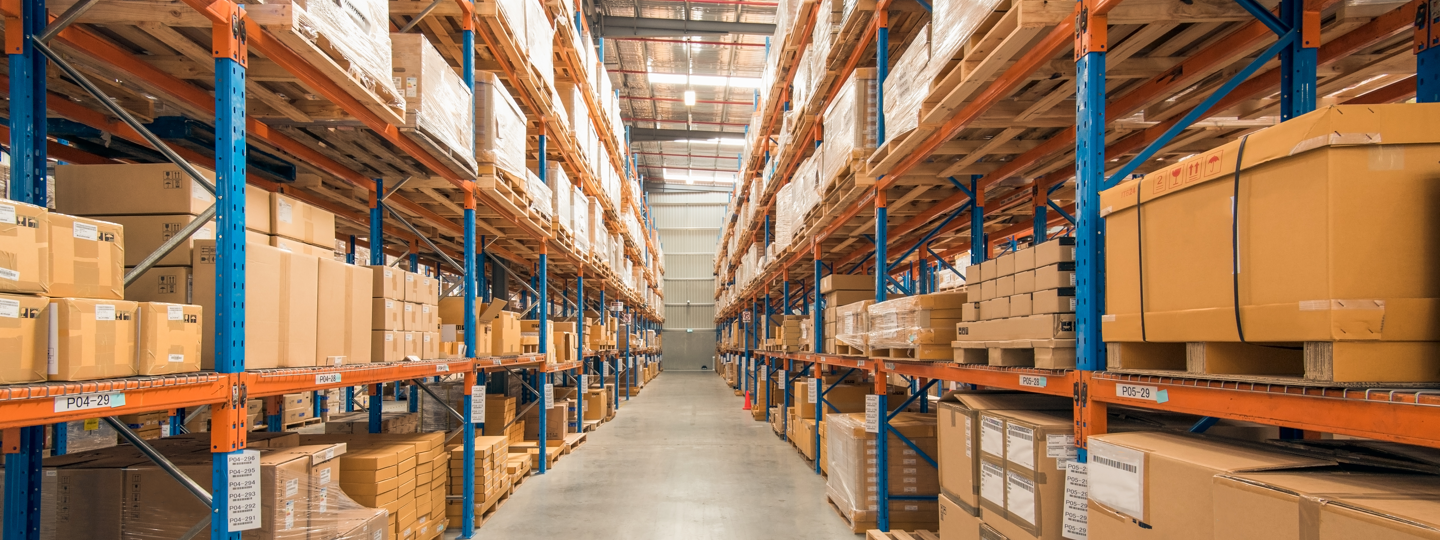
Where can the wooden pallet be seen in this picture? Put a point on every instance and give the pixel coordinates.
(459, 162)
(574, 440)
(1036, 353)
(922, 353)
(842, 349)
(493, 505)
(876, 534)
(1315, 363)
(301, 424)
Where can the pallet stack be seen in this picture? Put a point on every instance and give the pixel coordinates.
(1024, 315)
(842, 290)
(916, 327)
(493, 481)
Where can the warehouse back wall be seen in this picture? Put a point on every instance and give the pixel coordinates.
(689, 229)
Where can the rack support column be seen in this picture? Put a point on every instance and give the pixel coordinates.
(1090, 47)
(978, 251)
(27, 107)
(1427, 54)
(1299, 60)
(543, 318)
(227, 437)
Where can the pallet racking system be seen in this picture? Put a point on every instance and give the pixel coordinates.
(116, 62)
(1173, 66)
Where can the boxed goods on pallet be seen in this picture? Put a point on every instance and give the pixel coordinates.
(406, 474)
(560, 195)
(359, 422)
(436, 101)
(1023, 457)
(540, 195)
(350, 40)
(500, 127)
(580, 218)
(1292, 282)
(1331, 505)
(493, 480)
(961, 426)
(915, 328)
(851, 486)
(852, 328)
(850, 126)
(1023, 314)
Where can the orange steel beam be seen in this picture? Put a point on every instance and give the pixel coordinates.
(275, 382)
(34, 404)
(1400, 90)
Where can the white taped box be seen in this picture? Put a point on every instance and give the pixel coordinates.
(437, 102)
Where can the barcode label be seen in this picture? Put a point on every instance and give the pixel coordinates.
(1116, 464)
(1118, 478)
(327, 378)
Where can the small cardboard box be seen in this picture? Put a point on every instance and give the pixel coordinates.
(1020, 305)
(1053, 251)
(145, 234)
(24, 248)
(169, 284)
(1025, 259)
(96, 339)
(429, 318)
(87, 258)
(414, 288)
(961, 436)
(413, 343)
(291, 218)
(1005, 265)
(130, 189)
(388, 283)
(1004, 286)
(505, 333)
(1025, 281)
(169, 338)
(413, 318)
(975, 273)
(387, 314)
(387, 346)
(430, 345)
(1053, 301)
(995, 308)
(1055, 276)
(25, 327)
(1038, 445)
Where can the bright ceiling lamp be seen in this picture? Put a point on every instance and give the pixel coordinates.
(701, 80)
(689, 98)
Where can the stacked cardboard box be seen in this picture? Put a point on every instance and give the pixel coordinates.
(406, 474)
(1024, 313)
(556, 428)
(851, 486)
(497, 331)
(493, 478)
(152, 425)
(499, 414)
(436, 101)
(359, 422)
(530, 337)
(917, 327)
(406, 315)
(840, 290)
(852, 329)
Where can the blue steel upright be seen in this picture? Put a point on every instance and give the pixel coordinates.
(230, 61)
(543, 319)
(978, 245)
(376, 404)
(1298, 61)
(474, 278)
(27, 108)
(1090, 228)
(1427, 54)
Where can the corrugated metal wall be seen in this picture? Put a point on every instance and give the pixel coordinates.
(689, 225)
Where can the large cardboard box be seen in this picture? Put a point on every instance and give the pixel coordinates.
(169, 338)
(505, 334)
(145, 234)
(1038, 445)
(297, 220)
(296, 246)
(262, 304)
(1159, 485)
(1047, 326)
(388, 283)
(1325, 506)
(25, 331)
(95, 339)
(960, 436)
(169, 284)
(412, 344)
(131, 189)
(414, 288)
(299, 292)
(847, 282)
(411, 315)
(24, 248)
(555, 425)
(1313, 196)
(343, 315)
(957, 523)
(87, 258)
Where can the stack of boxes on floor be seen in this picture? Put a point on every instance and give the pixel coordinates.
(493, 478)
(406, 315)
(62, 284)
(407, 475)
(556, 428)
(854, 474)
(359, 422)
(1024, 314)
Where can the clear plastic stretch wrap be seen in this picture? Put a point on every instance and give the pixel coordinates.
(850, 125)
(86, 435)
(358, 31)
(915, 320)
(594, 216)
(801, 88)
(851, 484)
(951, 27)
(433, 92)
(903, 95)
(807, 192)
(560, 193)
(539, 194)
(500, 135)
(853, 472)
(572, 99)
(784, 218)
(118, 493)
(852, 324)
(580, 217)
(827, 24)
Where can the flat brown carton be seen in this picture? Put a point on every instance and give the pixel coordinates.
(388, 283)
(344, 314)
(1325, 505)
(299, 290)
(1004, 265)
(1055, 276)
(1056, 250)
(169, 284)
(847, 282)
(296, 246)
(24, 248)
(96, 339)
(956, 523)
(87, 258)
(1025, 259)
(387, 346)
(130, 189)
(960, 436)
(257, 210)
(1020, 305)
(297, 220)
(1025, 281)
(25, 335)
(1053, 301)
(1165, 482)
(1311, 195)
(145, 234)
(169, 338)
(1047, 326)
(262, 304)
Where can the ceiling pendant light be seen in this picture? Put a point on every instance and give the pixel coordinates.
(689, 98)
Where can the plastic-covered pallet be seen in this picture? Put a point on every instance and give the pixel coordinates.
(500, 125)
(850, 126)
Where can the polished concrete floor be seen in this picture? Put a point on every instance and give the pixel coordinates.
(680, 461)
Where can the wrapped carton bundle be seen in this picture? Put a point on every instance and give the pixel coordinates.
(929, 59)
(359, 422)
(1312, 272)
(353, 36)
(580, 218)
(406, 474)
(500, 126)
(539, 194)
(850, 127)
(852, 328)
(561, 194)
(851, 486)
(917, 327)
(433, 95)
(493, 478)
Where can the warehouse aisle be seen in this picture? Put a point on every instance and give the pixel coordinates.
(681, 461)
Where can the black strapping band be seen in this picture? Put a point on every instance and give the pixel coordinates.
(1235, 238)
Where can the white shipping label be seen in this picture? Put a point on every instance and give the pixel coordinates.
(292, 487)
(1020, 446)
(813, 389)
(1072, 303)
(325, 476)
(1074, 523)
(584, 382)
(198, 192)
(177, 358)
(549, 395)
(244, 490)
(992, 436)
(1020, 497)
(289, 515)
(86, 231)
(969, 438)
(412, 87)
(992, 483)
(1061, 448)
(165, 429)
(7, 214)
(325, 494)
(9, 309)
(1119, 479)
(780, 376)
(285, 213)
(175, 313)
(477, 403)
(89, 401)
(104, 312)
(9, 274)
(872, 413)
(1146, 393)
